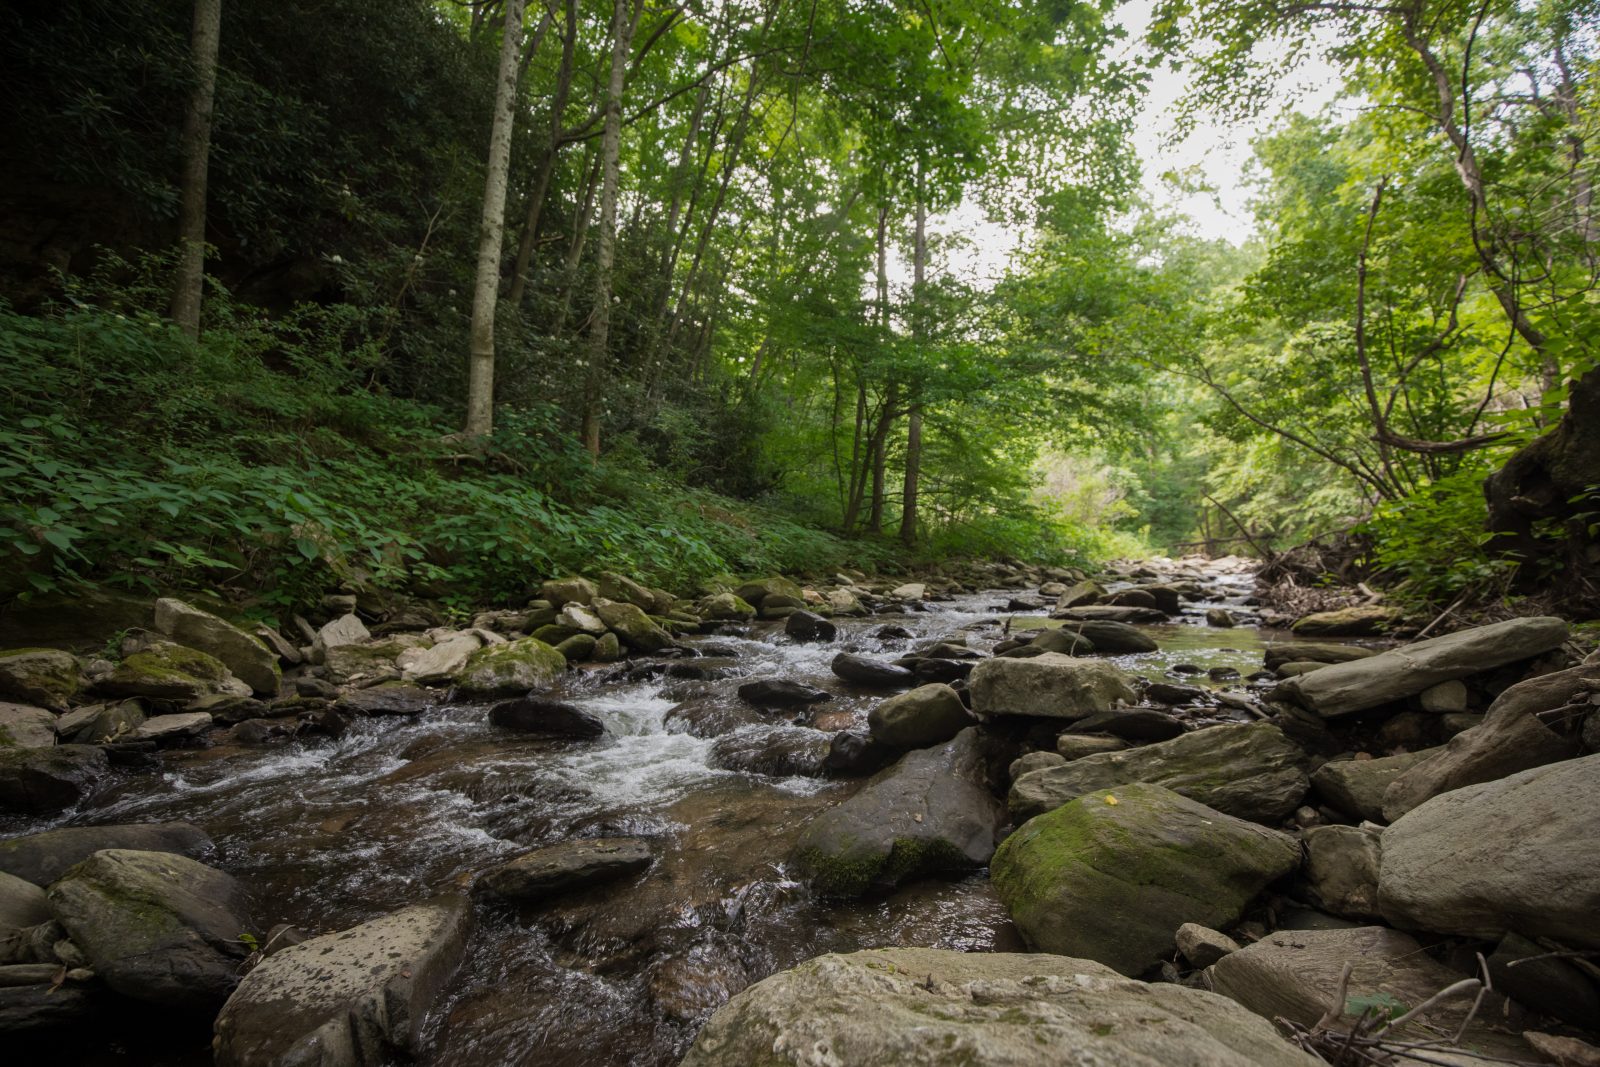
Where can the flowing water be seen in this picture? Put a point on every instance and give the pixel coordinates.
(329, 833)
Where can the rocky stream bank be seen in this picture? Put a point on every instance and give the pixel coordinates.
(997, 816)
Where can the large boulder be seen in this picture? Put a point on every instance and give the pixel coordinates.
(350, 999)
(1112, 875)
(932, 811)
(41, 781)
(633, 626)
(44, 676)
(1510, 739)
(1294, 974)
(928, 715)
(1277, 655)
(509, 669)
(162, 670)
(43, 857)
(920, 1007)
(728, 607)
(249, 660)
(1513, 855)
(1247, 770)
(25, 726)
(758, 591)
(561, 591)
(565, 866)
(1049, 686)
(1356, 786)
(155, 927)
(1343, 688)
(441, 664)
(614, 586)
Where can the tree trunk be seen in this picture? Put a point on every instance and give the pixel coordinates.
(547, 164)
(919, 331)
(580, 234)
(622, 27)
(491, 231)
(189, 287)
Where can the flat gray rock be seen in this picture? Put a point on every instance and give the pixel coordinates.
(25, 726)
(1048, 686)
(568, 865)
(349, 999)
(918, 1007)
(1356, 786)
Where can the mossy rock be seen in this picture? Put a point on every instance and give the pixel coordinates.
(165, 671)
(614, 586)
(511, 669)
(1112, 875)
(47, 677)
(577, 648)
(633, 626)
(727, 606)
(758, 591)
(607, 648)
(370, 660)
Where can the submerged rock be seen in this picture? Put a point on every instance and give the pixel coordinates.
(1248, 770)
(1112, 875)
(917, 1007)
(804, 626)
(932, 811)
(569, 865)
(155, 926)
(352, 998)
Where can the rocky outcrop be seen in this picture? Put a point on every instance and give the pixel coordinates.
(1047, 686)
(559, 868)
(352, 998)
(39, 781)
(1517, 855)
(932, 811)
(1343, 688)
(44, 857)
(1250, 770)
(155, 927)
(916, 1007)
(249, 660)
(1112, 875)
(928, 715)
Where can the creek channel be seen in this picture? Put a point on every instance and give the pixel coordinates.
(329, 833)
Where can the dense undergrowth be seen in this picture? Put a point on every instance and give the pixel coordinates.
(265, 466)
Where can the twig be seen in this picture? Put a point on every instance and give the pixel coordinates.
(1424, 631)
(1336, 1009)
(1466, 985)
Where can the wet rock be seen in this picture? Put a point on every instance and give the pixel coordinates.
(688, 986)
(577, 648)
(1248, 770)
(176, 727)
(932, 670)
(1048, 686)
(386, 700)
(1342, 869)
(1131, 598)
(778, 751)
(46, 677)
(1221, 618)
(1510, 739)
(928, 715)
(893, 633)
(1406, 671)
(1071, 746)
(1062, 640)
(1101, 613)
(1033, 761)
(547, 718)
(562, 591)
(1167, 693)
(22, 905)
(1366, 620)
(350, 998)
(566, 866)
(1517, 855)
(1313, 652)
(1356, 786)
(1084, 593)
(633, 626)
(1292, 975)
(250, 661)
(155, 926)
(1203, 946)
(728, 607)
(264, 731)
(43, 857)
(319, 688)
(514, 667)
(1525, 971)
(166, 671)
(25, 726)
(1295, 668)
(912, 1007)
(1130, 724)
(876, 674)
(1113, 637)
(930, 812)
(30, 1003)
(231, 709)
(1110, 876)
(853, 753)
(608, 649)
(757, 592)
(781, 693)
(40, 781)
(804, 626)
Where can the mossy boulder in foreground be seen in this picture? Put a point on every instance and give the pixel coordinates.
(1112, 875)
(511, 669)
